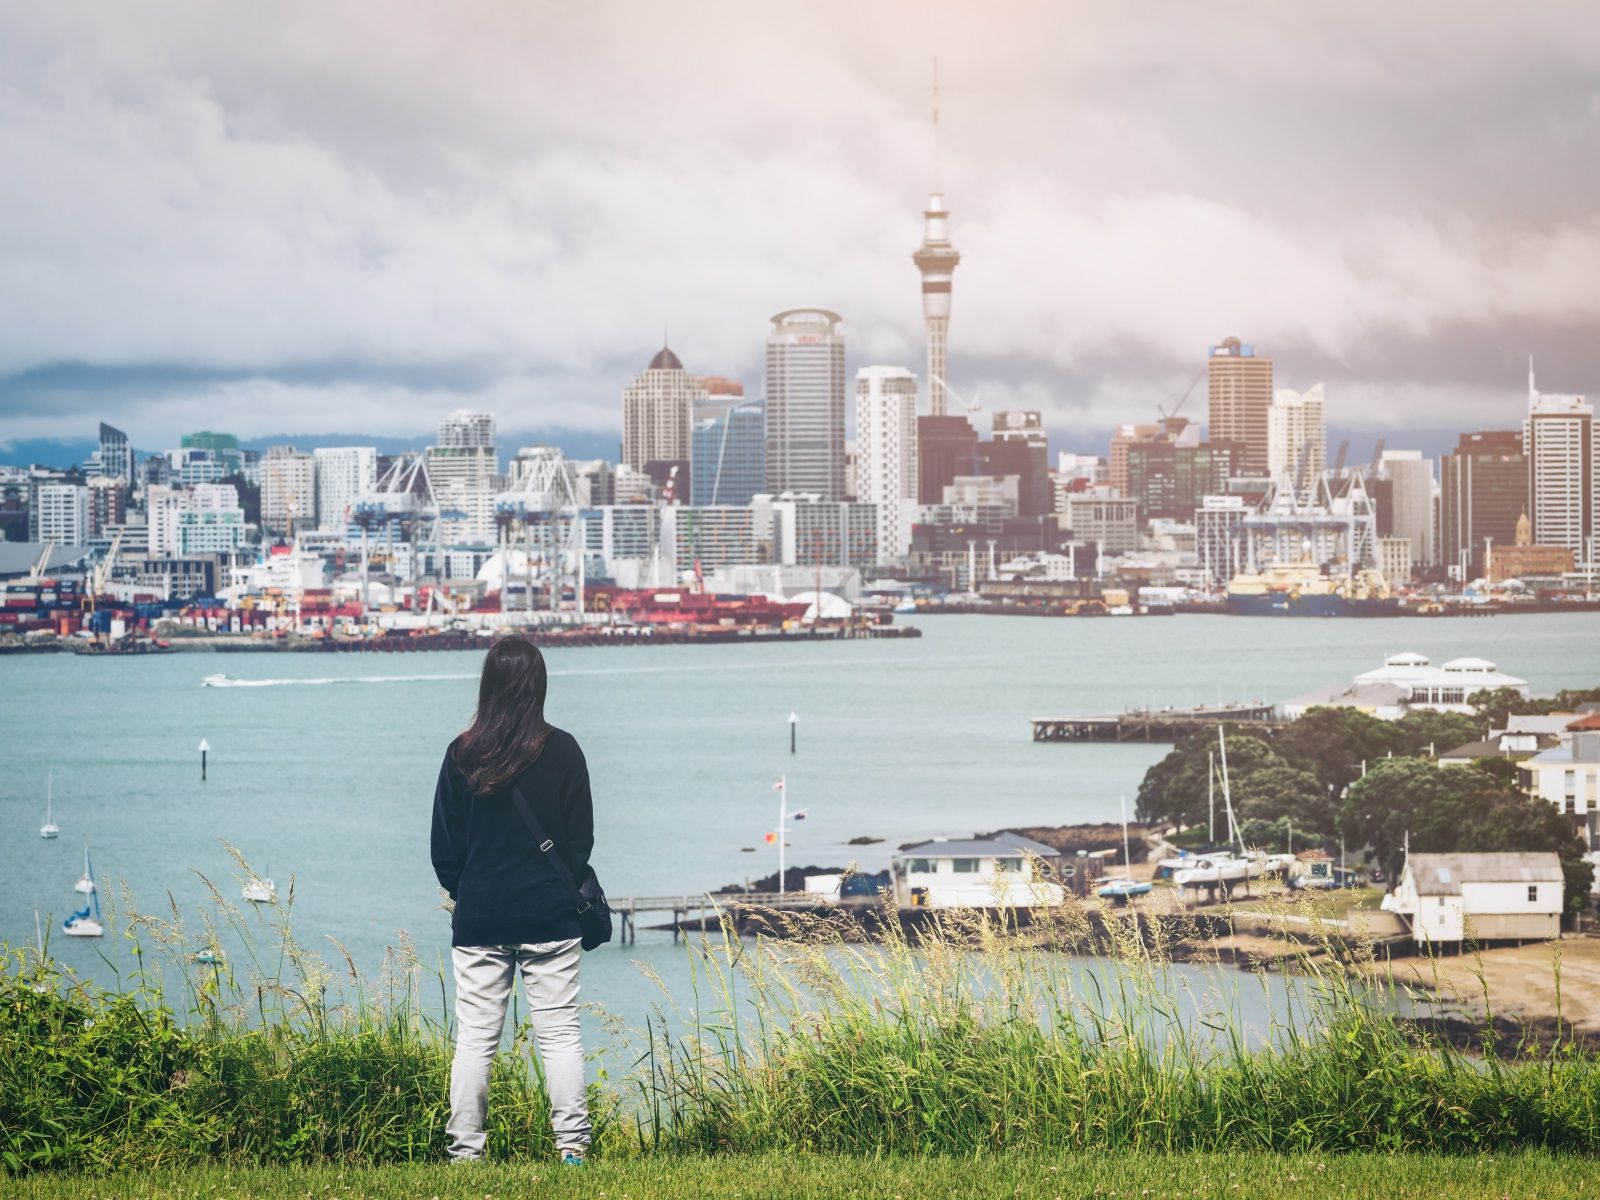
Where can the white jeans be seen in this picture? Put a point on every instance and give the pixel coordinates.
(484, 978)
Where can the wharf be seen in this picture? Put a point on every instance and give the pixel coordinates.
(1155, 725)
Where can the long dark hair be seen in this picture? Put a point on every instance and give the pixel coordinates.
(508, 731)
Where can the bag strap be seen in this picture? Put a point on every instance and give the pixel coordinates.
(548, 847)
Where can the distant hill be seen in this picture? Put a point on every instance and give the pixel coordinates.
(65, 452)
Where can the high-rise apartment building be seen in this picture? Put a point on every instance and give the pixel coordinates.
(464, 455)
(657, 417)
(886, 452)
(1563, 470)
(1019, 445)
(108, 504)
(1240, 395)
(1483, 491)
(288, 490)
(805, 403)
(1296, 429)
(62, 514)
(936, 261)
(343, 475)
(728, 450)
(1410, 477)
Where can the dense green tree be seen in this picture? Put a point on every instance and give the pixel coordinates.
(1332, 743)
(1174, 791)
(1446, 809)
(1423, 728)
(1278, 791)
(1497, 704)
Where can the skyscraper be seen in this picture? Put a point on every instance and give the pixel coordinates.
(1410, 479)
(1296, 423)
(1483, 492)
(1020, 446)
(657, 412)
(728, 450)
(805, 403)
(288, 490)
(116, 456)
(344, 474)
(886, 452)
(1240, 394)
(1563, 470)
(947, 446)
(464, 455)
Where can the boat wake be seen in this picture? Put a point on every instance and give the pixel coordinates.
(228, 681)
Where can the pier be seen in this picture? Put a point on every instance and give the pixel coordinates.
(706, 905)
(1155, 725)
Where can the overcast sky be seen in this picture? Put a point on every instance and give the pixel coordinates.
(357, 216)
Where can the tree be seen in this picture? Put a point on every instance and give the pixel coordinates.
(1281, 792)
(1174, 791)
(1332, 743)
(1422, 728)
(1446, 809)
(1495, 705)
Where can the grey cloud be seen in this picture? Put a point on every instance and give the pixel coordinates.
(318, 211)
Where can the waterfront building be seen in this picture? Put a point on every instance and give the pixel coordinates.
(810, 530)
(728, 450)
(1409, 681)
(936, 261)
(1567, 775)
(288, 490)
(343, 475)
(964, 554)
(886, 453)
(464, 455)
(1005, 869)
(60, 513)
(1563, 469)
(108, 504)
(710, 537)
(595, 482)
(1523, 559)
(805, 403)
(947, 446)
(1483, 490)
(1111, 523)
(1498, 897)
(1218, 537)
(467, 516)
(657, 415)
(1239, 386)
(189, 522)
(1297, 437)
(1410, 479)
(1394, 559)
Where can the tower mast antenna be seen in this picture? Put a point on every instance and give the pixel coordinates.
(937, 163)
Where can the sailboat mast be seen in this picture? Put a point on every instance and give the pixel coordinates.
(1127, 859)
(1227, 792)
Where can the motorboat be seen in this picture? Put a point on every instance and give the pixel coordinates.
(217, 680)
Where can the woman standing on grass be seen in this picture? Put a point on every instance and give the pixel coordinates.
(513, 913)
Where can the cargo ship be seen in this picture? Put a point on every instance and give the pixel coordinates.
(1302, 590)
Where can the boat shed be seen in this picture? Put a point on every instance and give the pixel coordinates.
(987, 872)
(1500, 897)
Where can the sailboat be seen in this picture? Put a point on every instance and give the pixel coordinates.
(1123, 887)
(86, 921)
(50, 829)
(259, 889)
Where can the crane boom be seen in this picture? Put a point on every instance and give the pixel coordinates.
(971, 408)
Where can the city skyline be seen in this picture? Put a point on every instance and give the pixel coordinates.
(1125, 192)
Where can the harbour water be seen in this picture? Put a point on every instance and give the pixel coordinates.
(322, 768)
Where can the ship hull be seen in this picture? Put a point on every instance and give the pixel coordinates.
(1281, 604)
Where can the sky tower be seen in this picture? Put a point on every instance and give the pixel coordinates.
(936, 259)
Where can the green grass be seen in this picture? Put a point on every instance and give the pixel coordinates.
(977, 1041)
(805, 1177)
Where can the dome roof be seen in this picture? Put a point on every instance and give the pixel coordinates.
(665, 360)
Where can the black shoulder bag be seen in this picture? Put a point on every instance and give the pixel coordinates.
(588, 897)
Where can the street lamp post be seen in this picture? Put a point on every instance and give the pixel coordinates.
(794, 721)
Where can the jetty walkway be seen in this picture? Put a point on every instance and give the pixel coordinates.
(1155, 725)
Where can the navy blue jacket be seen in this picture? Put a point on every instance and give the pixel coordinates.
(506, 891)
